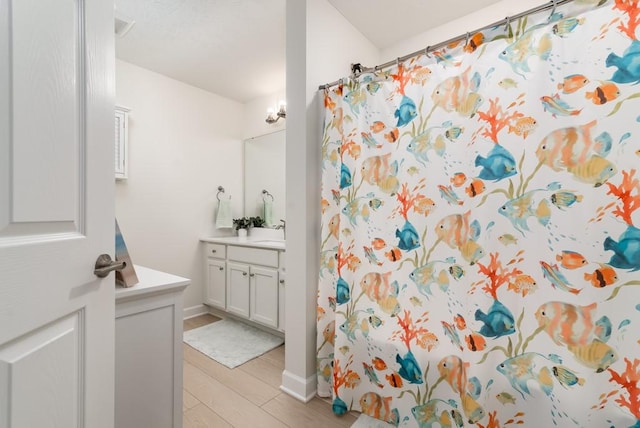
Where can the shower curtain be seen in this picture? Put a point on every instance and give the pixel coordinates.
(480, 233)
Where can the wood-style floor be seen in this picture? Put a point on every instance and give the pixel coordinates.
(247, 396)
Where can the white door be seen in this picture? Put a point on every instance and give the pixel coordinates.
(56, 213)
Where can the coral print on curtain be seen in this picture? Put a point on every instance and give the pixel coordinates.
(481, 232)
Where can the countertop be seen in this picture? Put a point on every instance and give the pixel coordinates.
(249, 241)
(151, 281)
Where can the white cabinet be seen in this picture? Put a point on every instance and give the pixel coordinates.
(148, 351)
(246, 281)
(216, 289)
(238, 289)
(216, 294)
(264, 296)
(122, 141)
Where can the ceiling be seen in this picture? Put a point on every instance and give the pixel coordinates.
(236, 48)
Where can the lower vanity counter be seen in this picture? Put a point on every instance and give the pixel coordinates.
(148, 360)
(245, 277)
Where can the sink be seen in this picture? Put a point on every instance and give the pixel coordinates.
(276, 242)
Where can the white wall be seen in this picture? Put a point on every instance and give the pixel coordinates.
(183, 143)
(321, 45)
(490, 14)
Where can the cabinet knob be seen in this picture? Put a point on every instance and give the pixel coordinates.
(244, 274)
(213, 251)
(253, 274)
(282, 281)
(221, 268)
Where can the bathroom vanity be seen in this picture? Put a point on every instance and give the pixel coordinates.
(245, 277)
(148, 360)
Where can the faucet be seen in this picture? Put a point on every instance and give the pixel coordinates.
(283, 227)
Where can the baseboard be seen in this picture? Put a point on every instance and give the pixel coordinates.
(194, 311)
(298, 387)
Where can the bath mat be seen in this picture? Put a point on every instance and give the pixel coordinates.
(365, 421)
(231, 343)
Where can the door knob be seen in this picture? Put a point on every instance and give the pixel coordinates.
(104, 265)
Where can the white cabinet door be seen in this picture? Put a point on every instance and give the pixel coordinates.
(238, 289)
(281, 302)
(216, 291)
(264, 296)
(56, 213)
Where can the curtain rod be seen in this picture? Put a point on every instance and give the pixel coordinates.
(506, 21)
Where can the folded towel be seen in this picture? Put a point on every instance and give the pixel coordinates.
(268, 213)
(223, 217)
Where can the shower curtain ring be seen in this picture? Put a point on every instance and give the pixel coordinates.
(466, 43)
(553, 11)
(398, 62)
(426, 51)
(506, 27)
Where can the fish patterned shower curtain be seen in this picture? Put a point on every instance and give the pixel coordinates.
(480, 229)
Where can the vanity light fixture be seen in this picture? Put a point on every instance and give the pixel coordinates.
(274, 115)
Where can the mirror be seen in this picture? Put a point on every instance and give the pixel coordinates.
(264, 169)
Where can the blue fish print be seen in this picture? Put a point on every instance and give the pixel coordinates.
(521, 369)
(426, 414)
(371, 374)
(628, 65)
(407, 237)
(424, 276)
(409, 368)
(627, 249)
(498, 164)
(406, 111)
(343, 295)
(603, 328)
(498, 321)
(519, 210)
(518, 53)
(345, 177)
(339, 407)
(452, 334)
(557, 279)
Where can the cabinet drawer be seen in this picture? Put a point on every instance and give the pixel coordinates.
(256, 256)
(218, 251)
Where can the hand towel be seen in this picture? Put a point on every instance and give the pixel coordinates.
(268, 213)
(223, 218)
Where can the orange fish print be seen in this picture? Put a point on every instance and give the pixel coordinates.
(458, 179)
(458, 93)
(454, 372)
(571, 259)
(394, 380)
(523, 126)
(328, 102)
(377, 287)
(475, 188)
(378, 126)
(381, 171)
(378, 407)
(572, 83)
(604, 93)
(567, 324)
(379, 363)
(392, 136)
(474, 42)
(394, 254)
(523, 284)
(460, 322)
(601, 277)
(475, 342)
(378, 244)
